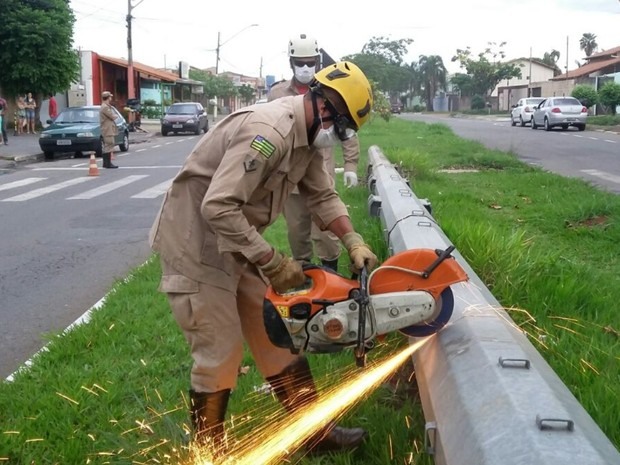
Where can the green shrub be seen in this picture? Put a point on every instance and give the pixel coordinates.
(609, 95)
(478, 102)
(587, 95)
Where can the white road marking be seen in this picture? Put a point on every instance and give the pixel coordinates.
(154, 191)
(603, 175)
(141, 150)
(23, 182)
(593, 138)
(107, 187)
(46, 190)
(611, 141)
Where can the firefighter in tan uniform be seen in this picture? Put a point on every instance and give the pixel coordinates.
(305, 61)
(215, 262)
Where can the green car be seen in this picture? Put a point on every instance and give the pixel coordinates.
(77, 129)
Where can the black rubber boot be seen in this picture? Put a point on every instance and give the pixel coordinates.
(331, 264)
(294, 388)
(208, 411)
(107, 161)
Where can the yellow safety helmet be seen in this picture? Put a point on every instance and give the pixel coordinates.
(352, 85)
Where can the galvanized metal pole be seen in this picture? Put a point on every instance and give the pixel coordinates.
(488, 396)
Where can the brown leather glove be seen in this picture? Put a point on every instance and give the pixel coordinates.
(359, 252)
(283, 272)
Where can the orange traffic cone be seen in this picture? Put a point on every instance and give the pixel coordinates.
(93, 170)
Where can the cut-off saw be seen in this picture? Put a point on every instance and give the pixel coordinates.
(410, 292)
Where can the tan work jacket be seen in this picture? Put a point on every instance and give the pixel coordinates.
(350, 147)
(234, 184)
(107, 120)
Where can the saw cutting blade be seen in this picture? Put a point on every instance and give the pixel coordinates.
(446, 305)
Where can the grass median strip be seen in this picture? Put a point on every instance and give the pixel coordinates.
(114, 390)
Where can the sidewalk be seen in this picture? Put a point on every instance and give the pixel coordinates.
(25, 148)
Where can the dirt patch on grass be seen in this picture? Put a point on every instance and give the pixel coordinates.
(600, 220)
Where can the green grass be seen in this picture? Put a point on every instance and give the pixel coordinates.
(114, 390)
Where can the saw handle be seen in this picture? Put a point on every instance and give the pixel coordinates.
(362, 302)
(442, 255)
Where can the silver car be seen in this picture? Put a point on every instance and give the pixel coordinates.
(522, 112)
(560, 111)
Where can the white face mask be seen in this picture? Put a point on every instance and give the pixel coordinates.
(304, 74)
(326, 138)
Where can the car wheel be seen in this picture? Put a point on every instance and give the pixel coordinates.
(581, 127)
(99, 148)
(78, 155)
(125, 145)
(197, 131)
(164, 132)
(547, 125)
(564, 127)
(534, 125)
(48, 155)
(512, 121)
(521, 121)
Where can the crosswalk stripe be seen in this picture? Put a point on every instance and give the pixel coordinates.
(46, 190)
(21, 183)
(603, 175)
(154, 191)
(107, 187)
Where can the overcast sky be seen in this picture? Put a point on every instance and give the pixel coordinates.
(165, 32)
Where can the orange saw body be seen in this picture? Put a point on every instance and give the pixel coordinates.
(410, 292)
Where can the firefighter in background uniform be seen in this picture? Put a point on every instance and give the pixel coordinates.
(305, 60)
(215, 262)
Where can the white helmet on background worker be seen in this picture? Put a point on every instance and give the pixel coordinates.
(304, 57)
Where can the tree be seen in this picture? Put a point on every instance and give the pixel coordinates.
(551, 58)
(587, 95)
(609, 95)
(247, 93)
(214, 86)
(433, 73)
(36, 54)
(484, 74)
(587, 43)
(381, 60)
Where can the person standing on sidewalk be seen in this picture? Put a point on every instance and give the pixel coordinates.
(53, 107)
(31, 106)
(4, 111)
(107, 119)
(305, 61)
(215, 262)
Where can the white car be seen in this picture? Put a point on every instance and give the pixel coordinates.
(562, 112)
(524, 109)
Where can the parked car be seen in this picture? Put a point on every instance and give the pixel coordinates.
(184, 117)
(396, 108)
(77, 129)
(522, 112)
(560, 111)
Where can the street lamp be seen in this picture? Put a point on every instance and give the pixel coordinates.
(219, 45)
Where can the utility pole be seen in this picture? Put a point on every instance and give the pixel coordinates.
(131, 91)
(217, 54)
(566, 54)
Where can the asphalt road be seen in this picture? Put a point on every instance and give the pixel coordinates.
(590, 155)
(67, 237)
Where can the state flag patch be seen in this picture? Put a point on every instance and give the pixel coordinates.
(263, 146)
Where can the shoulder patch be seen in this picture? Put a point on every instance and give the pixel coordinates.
(263, 146)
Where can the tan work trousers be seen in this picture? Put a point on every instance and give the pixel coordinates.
(215, 323)
(302, 232)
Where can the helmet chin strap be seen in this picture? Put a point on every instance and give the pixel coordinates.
(317, 120)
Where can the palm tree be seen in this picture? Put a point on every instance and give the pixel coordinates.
(587, 43)
(434, 75)
(551, 58)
